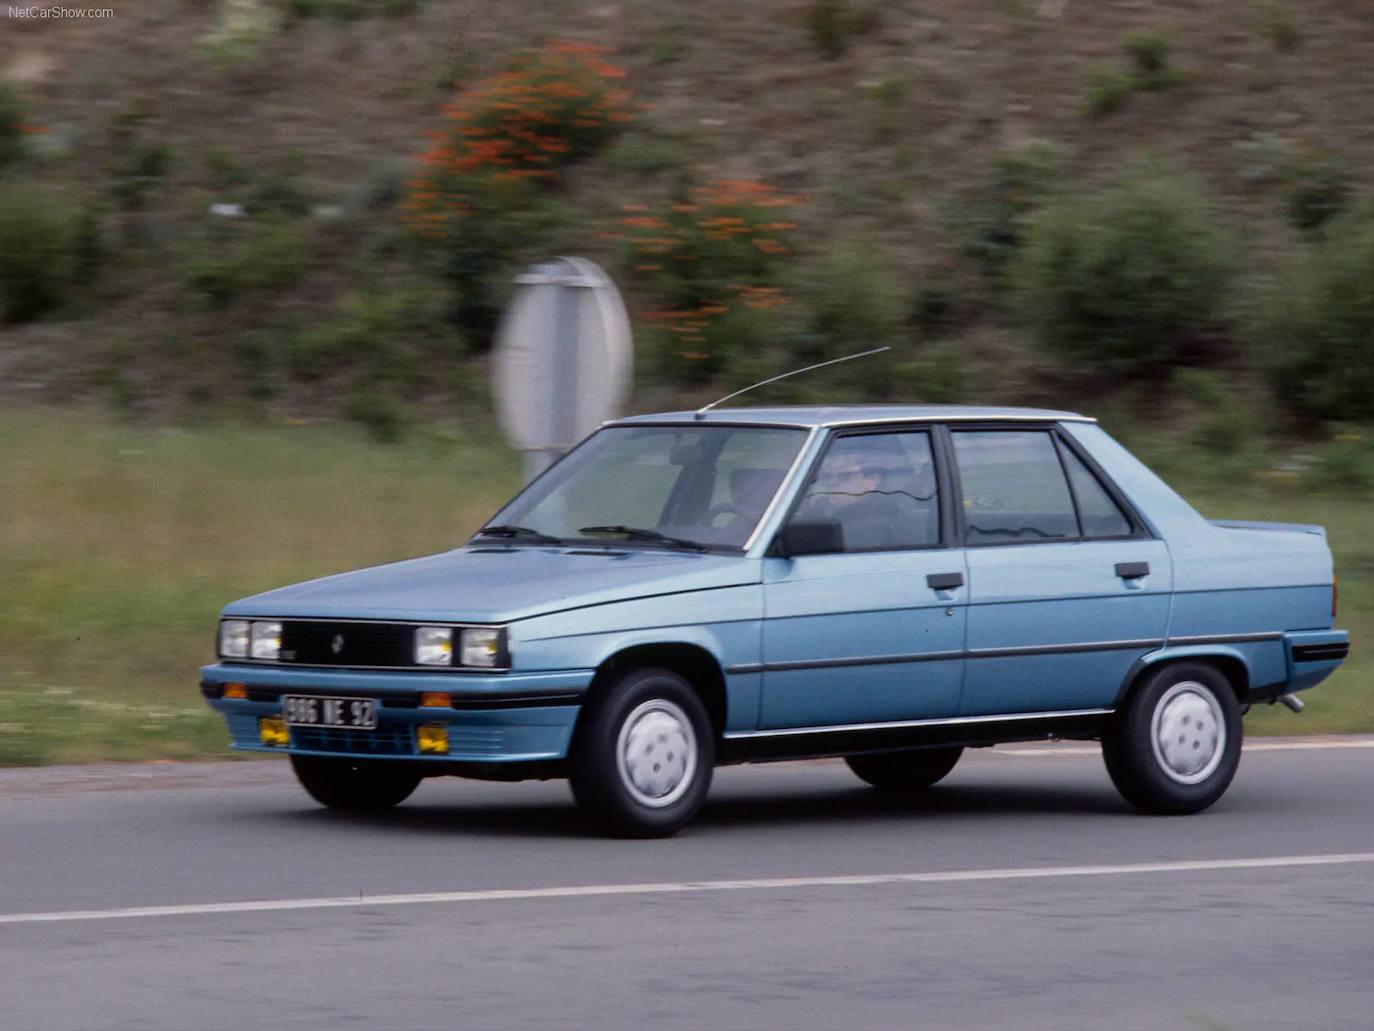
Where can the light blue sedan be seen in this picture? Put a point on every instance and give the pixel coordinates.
(887, 584)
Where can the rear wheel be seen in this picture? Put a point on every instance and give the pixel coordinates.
(643, 755)
(1175, 745)
(352, 785)
(913, 770)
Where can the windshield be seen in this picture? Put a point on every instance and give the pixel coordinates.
(707, 485)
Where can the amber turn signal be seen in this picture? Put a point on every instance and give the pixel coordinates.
(236, 691)
(436, 700)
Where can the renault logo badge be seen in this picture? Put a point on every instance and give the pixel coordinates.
(337, 644)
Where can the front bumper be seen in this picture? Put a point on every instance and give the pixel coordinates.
(494, 718)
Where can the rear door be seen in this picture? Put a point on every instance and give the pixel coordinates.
(1067, 588)
(872, 633)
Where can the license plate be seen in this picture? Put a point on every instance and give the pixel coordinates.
(314, 711)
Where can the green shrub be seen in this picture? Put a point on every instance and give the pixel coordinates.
(1225, 422)
(1345, 463)
(1315, 327)
(279, 191)
(1118, 277)
(482, 190)
(350, 10)
(1318, 190)
(939, 375)
(228, 264)
(240, 32)
(855, 302)
(144, 165)
(11, 124)
(711, 264)
(646, 154)
(1276, 22)
(382, 415)
(1107, 91)
(1026, 176)
(38, 237)
(1149, 53)
(833, 23)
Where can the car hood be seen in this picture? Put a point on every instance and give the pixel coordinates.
(499, 584)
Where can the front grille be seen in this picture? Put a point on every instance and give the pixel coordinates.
(321, 643)
(382, 741)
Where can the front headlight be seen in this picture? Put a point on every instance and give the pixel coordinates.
(233, 638)
(266, 639)
(482, 646)
(434, 646)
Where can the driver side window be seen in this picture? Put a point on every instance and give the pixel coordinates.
(880, 488)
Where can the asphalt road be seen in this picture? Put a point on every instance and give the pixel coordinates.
(1022, 893)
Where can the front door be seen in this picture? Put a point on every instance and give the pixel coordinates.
(1066, 587)
(874, 632)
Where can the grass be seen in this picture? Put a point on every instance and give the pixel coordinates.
(121, 545)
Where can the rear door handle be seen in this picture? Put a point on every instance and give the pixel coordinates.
(944, 581)
(1131, 570)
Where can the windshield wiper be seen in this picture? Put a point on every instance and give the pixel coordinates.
(634, 533)
(523, 533)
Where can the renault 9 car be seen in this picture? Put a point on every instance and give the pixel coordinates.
(891, 585)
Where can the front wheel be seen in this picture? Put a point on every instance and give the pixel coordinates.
(643, 755)
(357, 786)
(908, 771)
(1175, 745)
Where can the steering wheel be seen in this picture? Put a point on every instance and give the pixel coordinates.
(720, 510)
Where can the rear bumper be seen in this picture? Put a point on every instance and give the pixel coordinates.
(1310, 656)
(505, 718)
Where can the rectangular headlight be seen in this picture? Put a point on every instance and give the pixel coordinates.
(233, 638)
(266, 639)
(482, 646)
(434, 646)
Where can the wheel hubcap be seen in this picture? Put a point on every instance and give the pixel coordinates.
(1189, 733)
(656, 753)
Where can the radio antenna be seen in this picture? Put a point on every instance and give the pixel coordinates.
(701, 412)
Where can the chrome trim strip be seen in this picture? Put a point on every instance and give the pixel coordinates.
(275, 664)
(345, 619)
(639, 420)
(762, 521)
(975, 653)
(1067, 417)
(952, 721)
(1064, 649)
(1269, 635)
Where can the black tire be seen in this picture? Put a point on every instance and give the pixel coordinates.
(1175, 744)
(353, 785)
(905, 772)
(614, 776)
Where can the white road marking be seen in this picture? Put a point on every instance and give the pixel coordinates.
(681, 887)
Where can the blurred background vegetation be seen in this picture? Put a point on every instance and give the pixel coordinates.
(252, 254)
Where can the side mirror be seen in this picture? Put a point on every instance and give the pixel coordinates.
(822, 537)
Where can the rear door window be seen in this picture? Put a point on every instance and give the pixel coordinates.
(1013, 487)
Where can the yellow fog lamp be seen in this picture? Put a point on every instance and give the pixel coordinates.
(432, 739)
(272, 731)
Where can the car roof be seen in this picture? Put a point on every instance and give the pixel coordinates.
(808, 416)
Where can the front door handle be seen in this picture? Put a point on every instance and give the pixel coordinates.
(1132, 570)
(944, 581)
